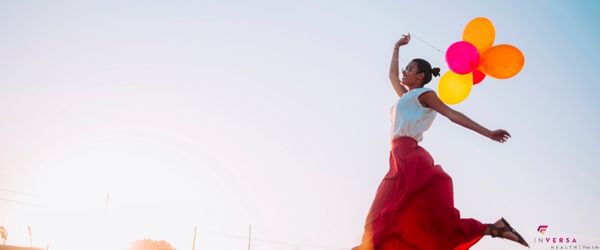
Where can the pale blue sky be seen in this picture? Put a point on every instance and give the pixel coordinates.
(222, 114)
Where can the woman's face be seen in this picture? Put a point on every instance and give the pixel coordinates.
(411, 76)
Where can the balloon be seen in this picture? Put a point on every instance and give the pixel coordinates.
(478, 76)
(481, 33)
(454, 88)
(502, 61)
(462, 57)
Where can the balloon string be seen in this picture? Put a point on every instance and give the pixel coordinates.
(422, 40)
(438, 50)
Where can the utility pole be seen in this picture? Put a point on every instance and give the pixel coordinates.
(30, 238)
(249, 235)
(107, 199)
(194, 243)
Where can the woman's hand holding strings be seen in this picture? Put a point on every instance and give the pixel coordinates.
(403, 41)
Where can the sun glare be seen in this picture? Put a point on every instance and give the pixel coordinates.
(108, 193)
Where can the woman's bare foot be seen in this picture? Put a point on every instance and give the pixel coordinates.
(502, 229)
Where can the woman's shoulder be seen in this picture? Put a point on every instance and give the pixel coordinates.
(423, 90)
(412, 95)
(419, 91)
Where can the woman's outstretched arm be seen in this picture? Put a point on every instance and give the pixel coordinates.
(430, 100)
(394, 67)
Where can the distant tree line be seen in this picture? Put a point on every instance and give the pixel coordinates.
(3, 235)
(148, 244)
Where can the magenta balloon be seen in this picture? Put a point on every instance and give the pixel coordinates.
(462, 57)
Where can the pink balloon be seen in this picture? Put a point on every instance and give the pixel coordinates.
(462, 57)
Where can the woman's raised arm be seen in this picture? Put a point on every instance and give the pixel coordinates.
(394, 67)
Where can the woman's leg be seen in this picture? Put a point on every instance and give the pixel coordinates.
(444, 220)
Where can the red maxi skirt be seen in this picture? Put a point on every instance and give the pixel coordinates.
(414, 206)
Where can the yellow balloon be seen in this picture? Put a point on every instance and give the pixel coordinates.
(502, 61)
(454, 88)
(481, 33)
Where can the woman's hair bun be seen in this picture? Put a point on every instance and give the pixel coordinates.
(435, 71)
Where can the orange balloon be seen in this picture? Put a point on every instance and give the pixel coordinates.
(502, 61)
(481, 33)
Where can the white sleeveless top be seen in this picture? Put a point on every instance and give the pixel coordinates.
(409, 117)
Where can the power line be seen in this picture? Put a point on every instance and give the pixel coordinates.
(19, 202)
(274, 241)
(205, 230)
(16, 192)
(299, 245)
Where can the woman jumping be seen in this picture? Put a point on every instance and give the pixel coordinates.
(414, 204)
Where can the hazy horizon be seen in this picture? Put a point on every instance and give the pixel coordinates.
(224, 114)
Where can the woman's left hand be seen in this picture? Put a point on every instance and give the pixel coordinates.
(499, 135)
(403, 41)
